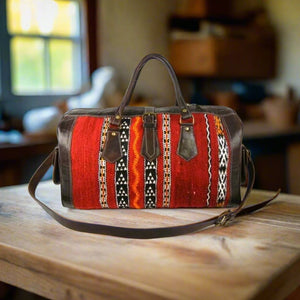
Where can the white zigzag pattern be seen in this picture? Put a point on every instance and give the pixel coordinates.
(209, 160)
(223, 162)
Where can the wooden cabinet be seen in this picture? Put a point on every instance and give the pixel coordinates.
(224, 57)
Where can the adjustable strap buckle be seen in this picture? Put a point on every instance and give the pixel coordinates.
(149, 119)
(224, 218)
(185, 123)
(150, 145)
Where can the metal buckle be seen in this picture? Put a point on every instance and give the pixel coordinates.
(149, 120)
(224, 218)
(181, 123)
(149, 114)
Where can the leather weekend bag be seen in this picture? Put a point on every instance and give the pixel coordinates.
(184, 156)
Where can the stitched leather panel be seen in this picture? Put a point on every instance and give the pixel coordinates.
(64, 136)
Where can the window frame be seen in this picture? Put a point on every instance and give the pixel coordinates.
(16, 105)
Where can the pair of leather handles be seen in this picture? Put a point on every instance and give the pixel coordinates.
(184, 110)
(148, 233)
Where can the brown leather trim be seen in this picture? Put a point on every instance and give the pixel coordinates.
(234, 129)
(139, 111)
(56, 172)
(64, 136)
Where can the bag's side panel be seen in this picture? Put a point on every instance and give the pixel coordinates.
(64, 134)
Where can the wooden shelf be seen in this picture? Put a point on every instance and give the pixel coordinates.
(224, 58)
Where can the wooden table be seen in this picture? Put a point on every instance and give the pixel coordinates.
(256, 257)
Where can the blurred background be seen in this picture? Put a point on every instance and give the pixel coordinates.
(56, 55)
(60, 55)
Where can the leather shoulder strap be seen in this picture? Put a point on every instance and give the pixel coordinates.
(147, 233)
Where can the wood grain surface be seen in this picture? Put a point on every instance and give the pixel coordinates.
(257, 257)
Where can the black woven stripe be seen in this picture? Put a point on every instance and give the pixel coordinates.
(150, 184)
(121, 175)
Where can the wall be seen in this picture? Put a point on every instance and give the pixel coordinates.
(130, 29)
(285, 16)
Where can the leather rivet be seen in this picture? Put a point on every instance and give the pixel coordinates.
(118, 117)
(113, 134)
(187, 128)
(184, 110)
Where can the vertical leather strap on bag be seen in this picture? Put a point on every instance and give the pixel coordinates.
(149, 233)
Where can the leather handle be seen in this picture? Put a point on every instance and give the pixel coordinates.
(185, 113)
(147, 233)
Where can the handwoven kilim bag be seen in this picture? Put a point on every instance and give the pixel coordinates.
(186, 156)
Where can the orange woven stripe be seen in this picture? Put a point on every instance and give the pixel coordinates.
(136, 176)
(219, 125)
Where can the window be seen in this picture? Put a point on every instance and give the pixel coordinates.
(42, 55)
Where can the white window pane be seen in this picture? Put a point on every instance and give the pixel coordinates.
(65, 68)
(27, 65)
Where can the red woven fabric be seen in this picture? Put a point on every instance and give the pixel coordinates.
(174, 181)
(190, 178)
(215, 161)
(85, 148)
(110, 185)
